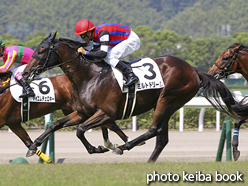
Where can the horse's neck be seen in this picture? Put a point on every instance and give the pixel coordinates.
(79, 74)
(6, 98)
(245, 76)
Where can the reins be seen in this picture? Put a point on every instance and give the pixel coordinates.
(79, 54)
(92, 61)
(48, 68)
(5, 88)
(52, 49)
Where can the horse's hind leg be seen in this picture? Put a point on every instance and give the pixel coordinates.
(164, 109)
(162, 112)
(235, 142)
(161, 142)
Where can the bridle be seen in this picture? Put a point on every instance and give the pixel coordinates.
(224, 72)
(2, 52)
(51, 49)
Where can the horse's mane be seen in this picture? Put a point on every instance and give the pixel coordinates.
(73, 44)
(243, 47)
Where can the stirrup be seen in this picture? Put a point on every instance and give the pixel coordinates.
(131, 80)
(27, 94)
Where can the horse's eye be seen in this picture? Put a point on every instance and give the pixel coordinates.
(41, 52)
(225, 58)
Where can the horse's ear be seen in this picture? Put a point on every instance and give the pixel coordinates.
(48, 36)
(237, 48)
(54, 35)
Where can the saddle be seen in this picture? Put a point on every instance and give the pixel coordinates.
(98, 65)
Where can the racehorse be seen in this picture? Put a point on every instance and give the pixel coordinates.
(98, 94)
(233, 60)
(10, 110)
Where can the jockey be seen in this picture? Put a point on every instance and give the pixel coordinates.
(113, 40)
(20, 55)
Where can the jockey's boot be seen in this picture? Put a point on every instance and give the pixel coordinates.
(27, 90)
(127, 72)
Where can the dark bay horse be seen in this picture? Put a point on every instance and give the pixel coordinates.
(99, 99)
(10, 110)
(233, 60)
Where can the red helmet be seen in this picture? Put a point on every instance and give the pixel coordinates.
(84, 26)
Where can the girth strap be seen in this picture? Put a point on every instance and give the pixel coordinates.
(130, 102)
(25, 106)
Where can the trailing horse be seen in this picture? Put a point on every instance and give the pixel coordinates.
(99, 99)
(233, 60)
(10, 110)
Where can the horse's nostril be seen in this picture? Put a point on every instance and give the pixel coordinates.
(25, 74)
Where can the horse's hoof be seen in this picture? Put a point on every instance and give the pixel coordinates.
(236, 155)
(102, 149)
(117, 151)
(109, 145)
(30, 153)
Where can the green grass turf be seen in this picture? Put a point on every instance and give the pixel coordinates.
(121, 174)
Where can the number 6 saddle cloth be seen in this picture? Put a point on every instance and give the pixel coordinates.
(43, 88)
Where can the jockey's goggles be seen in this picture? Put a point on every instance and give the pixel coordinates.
(83, 36)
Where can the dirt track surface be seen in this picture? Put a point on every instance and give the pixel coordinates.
(188, 146)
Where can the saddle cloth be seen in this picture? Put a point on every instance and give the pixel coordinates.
(147, 71)
(43, 88)
(149, 78)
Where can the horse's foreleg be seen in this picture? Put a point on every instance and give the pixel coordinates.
(70, 120)
(98, 119)
(235, 141)
(114, 127)
(23, 135)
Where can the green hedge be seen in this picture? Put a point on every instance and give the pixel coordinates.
(191, 116)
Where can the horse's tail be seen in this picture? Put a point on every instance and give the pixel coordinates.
(211, 89)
